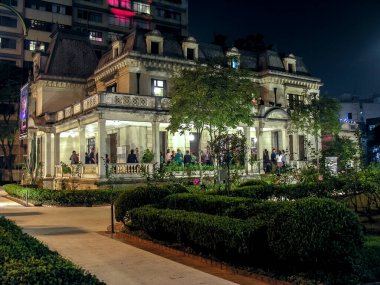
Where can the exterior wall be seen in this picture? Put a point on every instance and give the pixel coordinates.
(51, 98)
(16, 33)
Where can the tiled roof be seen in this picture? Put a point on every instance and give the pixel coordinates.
(70, 54)
(258, 61)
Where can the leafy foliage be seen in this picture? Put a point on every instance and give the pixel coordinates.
(24, 260)
(141, 196)
(210, 204)
(62, 197)
(316, 233)
(11, 79)
(225, 237)
(344, 148)
(317, 115)
(212, 96)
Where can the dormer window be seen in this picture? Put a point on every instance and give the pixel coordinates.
(116, 47)
(190, 48)
(233, 56)
(235, 63)
(154, 43)
(155, 48)
(290, 63)
(291, 68)
(190, 54)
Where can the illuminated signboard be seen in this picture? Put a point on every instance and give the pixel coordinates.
(24, 111)
(121, 9)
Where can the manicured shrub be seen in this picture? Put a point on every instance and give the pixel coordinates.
(228, 238)
(210, 204)
(278, 191)
(315, 233)
(24, 260)
(254, 182)
(141, 196)
(62, 197)
(264, 210)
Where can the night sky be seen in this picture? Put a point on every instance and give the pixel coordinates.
(339, 40)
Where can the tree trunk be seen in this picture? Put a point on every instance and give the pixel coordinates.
(200, 132)
(317, 151)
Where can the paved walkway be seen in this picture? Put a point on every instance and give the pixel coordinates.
(73, 232)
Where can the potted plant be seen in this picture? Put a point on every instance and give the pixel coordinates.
(148, 156)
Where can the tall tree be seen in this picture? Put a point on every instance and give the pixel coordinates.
(346, 150)
(10, 83)
(317, 116)
(211, 96)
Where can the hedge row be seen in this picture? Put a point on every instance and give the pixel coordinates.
(24, 260)
(210, 204)
(62, 197)
(306, 234)
(141, 196)
(278, 192)
(224, 237)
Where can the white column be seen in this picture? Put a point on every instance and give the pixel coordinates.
(284, 140)
(47, 155)
(82, 143)
(259, 147)
(247, 133)
(156, 141)
(101, 147)
(56, 149)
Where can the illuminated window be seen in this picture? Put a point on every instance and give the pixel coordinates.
(96, 36)
(158, 87)
(35, 45)
(141, 8)
(120, 3)
(235, 63)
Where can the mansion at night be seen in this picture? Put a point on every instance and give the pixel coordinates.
(121, 101)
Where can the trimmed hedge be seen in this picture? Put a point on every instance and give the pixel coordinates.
(254, 182)
(279, 192)
(24, 260)
(62, 197)
(210, 204)
(315, 233)
(309, 234)
(228, 238)
(141, 196)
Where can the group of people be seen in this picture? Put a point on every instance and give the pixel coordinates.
(188, 158)
(89, 158)
(277, 160)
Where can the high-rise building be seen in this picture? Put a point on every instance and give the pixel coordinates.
(101, 19)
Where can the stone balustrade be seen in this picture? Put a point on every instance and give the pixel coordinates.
(115, 100)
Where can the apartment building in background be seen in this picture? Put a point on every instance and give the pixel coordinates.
(103, 20)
